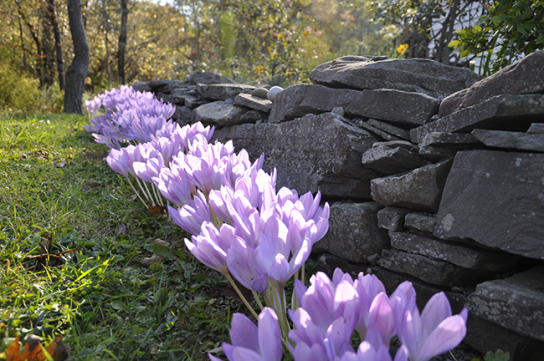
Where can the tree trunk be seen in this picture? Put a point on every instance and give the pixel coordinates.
(48, 69)
(77, 71)
(58, 44)
(22, 37)
(122, 42)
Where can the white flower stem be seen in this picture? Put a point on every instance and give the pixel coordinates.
(242, 296)
(135, 191)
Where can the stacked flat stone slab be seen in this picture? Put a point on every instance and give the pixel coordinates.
(315, 153)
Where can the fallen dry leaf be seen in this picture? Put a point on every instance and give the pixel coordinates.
(148, 261)
(92, 186)
(156, 211)
(160, 242)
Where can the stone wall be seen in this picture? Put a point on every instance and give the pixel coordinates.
(437, 176)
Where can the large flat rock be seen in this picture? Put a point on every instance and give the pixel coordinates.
(392, 160)
(510, 140)
(393, 105)
(496, 199)
(431, 270)
(419, 189)
(523, 77)
(315, 153)
(223, 91)
(353, 232)
(516, 303)
(202, 77)
(502, 112)
(458, 254)
(377, 72)
(253, 102)
(219, 113)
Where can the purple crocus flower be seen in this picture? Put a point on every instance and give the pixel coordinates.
(174, 185)
(367, 352)
(191, 216)
(368, 287)
(150, 170)
(211, 245)
(118, 161)
(380, 318)
(435, 331)
(252, 343)
(241, 263)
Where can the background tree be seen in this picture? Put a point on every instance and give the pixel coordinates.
(77, 71)
(505, 32)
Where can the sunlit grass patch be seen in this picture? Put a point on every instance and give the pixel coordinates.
(72, 237)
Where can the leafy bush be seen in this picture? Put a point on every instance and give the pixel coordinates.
(18, 92)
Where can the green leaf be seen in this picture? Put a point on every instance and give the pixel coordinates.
(455, 44)
(160, 250)
(520, 28)
(499, 355)
(540, 39)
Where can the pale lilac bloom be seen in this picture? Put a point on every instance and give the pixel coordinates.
(191, 216)
(381, 319)
(174, 185)
(118, 161)
(211, 245)
(368, 287)
(252, 343)
(367, 352)
(434, 332)
(241, 264)
(150, 170)
(187, 133)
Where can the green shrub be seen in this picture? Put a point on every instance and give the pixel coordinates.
(20, 93)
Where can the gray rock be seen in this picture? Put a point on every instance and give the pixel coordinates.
(183, 115)
(158, 86)
(327, 263)
(510, 140)
(141, 86)
(260, 93)
(273, 93)
(397, 143)
(523, 77)
(392, 160)
(496, 199)
(174, 84)
(516, 303)
(377, 131)
(503, 112)
(431, 270)
(338, 110)
(250, 101)
(420, 189)
(193, 101)
(253, 116)
(391, 129)
(460, 255)
(392, 105)
(177, 96)
(222, 91)
(219, 113)
(164, 97)
(315, 153)
(448, 139)
(536, 128)
(411, 109)
(353, 232)
(420, 222)
(436, 153)
(392, 218)
(485, 335)
(199, 77)
(412, 75)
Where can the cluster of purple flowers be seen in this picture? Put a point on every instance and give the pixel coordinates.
(244, 228)
(122, 115)
(331, 310)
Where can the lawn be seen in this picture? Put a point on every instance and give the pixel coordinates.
(72, 240)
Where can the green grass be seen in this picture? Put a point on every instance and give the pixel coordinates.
(55, 186)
